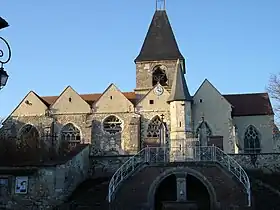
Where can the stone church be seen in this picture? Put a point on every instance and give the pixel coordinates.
(160, 110)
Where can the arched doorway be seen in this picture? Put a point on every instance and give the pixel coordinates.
(197, 193)
(166, 191)
(181, 190)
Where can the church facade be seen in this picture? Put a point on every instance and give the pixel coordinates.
(160, 107)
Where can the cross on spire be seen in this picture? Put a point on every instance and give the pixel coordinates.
(160, 4)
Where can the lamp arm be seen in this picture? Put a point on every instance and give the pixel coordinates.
(9, 54)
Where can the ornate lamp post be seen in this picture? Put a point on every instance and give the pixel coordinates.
(3, 74)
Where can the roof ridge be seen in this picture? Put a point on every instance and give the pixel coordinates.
(256, 93)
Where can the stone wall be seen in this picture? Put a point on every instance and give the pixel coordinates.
(126, 142)
(40, 185)
(102, 166)
(144, 72)
(69, 175)
(269, 162)
(46, 186)
(13, 125)
(107, 165)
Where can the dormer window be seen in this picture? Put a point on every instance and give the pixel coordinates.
(159, 75)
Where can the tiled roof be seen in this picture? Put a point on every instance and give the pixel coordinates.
(89, 98)
(243, 104)
(250, 104)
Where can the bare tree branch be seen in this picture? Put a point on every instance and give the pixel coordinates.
(273, 89)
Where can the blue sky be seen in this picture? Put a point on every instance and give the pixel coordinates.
(91, 43)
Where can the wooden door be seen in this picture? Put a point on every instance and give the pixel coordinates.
(216, 141)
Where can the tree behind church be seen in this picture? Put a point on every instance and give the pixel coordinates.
(273, 89)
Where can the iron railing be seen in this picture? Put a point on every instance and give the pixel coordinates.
(190, 153)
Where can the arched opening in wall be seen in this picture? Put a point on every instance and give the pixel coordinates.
(112, 125)
(159, 75)
(29, 137)
(154, 132)
(252, 140)
(166, 191)
(112, 128)
(197, 193)
(70, 135)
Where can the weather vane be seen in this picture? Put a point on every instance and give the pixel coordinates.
(160, 4)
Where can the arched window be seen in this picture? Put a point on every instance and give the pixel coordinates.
(112, 125)
(29, 136)
(153, 130)
(70, 134)
(252, 140)
(159, 75)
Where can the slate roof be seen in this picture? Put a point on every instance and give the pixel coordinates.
(243, 104)
(179, 90)
(3, 23)
(250, 104)
(160, 42)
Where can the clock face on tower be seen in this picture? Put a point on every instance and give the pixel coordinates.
(158, 90)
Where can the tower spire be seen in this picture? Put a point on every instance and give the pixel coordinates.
(160, 42)
(179, 90)
(160, 5)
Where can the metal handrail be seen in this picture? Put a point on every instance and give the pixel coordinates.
(178, 154)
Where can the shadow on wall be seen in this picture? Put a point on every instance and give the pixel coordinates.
(23, 143)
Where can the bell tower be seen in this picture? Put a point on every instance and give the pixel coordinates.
(158, 56)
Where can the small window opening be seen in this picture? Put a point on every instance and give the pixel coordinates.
(200, 100)
(180, 124)
(151, 101)
(28, 102)
(70, 99)
(111, 97)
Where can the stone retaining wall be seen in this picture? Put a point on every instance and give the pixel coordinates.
(269, 162)
(46, 186)
(102, 166)
(107, 165)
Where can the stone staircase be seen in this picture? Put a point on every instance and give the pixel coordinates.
(133, 179)
(136, 188)
(93, 194)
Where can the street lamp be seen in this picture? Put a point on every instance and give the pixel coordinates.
(3, 74)
(3, 77)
